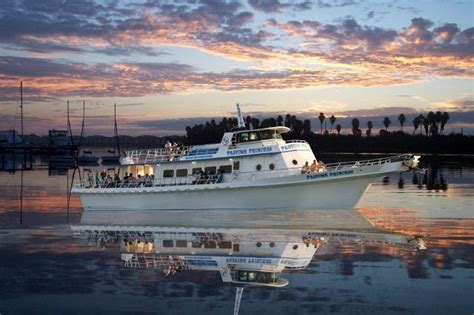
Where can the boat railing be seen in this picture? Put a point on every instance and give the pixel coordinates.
(200, 179)
(157, 155)
(295, 141)
(371, 162)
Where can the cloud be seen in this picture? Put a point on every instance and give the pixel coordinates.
(293, 54)
(267, 6)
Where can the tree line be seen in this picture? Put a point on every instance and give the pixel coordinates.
(211, 131)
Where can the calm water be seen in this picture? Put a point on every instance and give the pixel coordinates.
(43, 269)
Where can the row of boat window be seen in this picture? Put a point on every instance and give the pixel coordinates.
(207, 244)
(210, 170)
(258, 276)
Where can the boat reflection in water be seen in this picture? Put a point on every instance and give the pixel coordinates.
(242, 248)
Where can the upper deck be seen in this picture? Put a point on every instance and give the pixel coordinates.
(233, 144)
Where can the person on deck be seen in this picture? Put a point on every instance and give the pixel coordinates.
(314, 167)
(305, 169)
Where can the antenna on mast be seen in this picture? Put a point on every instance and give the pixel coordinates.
(240, 117)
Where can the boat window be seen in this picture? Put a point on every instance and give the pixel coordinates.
(252, 276)
(272, 166)
(255, 276)
(225, 244)
(168, 173)
(225, 169)
(259, 167)
(236, 248)
(295, 162)
(244, 137)
(210, 244)
(267, 134)
(197, 170)
(182, 172)
(236, 165)
(253, 136)
(181, 243)
(196, 245)
(210, 170)
(167, 243)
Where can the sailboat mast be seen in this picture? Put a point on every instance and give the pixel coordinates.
(21, 108)
(116, 129)
(83, 122)
(24, 153)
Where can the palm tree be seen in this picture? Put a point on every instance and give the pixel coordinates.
(332, 120)
(416, 123)
(321, 118)
(438, 118)
(355, 127)
(420, 120)
(306, 127)
(444, 120)
(280, 120)
(369, 128)
(338, 129)
(386, 122)
(401, 119)
(426, 124)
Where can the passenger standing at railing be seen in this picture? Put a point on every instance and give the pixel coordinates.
(169, 150)
(97, 179)
(90, 180)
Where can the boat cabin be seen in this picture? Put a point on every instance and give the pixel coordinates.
(240, 154)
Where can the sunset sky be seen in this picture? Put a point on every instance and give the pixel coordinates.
(166, 63)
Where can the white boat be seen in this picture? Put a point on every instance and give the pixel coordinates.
(248, 169)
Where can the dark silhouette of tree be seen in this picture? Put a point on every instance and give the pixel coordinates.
(426, 125)
(369, 128)
(255, 123)
(338, 129)
(431, 120)
(279, 120)
(402, 120)
(416, 123)
(306, 127)
(386, 122)
(321, 118)
(288, 121)
(438, 118)
(332, 120)
(421, 118)
(296, 127)
(248, 122)
(444, 120)
(355, 127)
(434, 129)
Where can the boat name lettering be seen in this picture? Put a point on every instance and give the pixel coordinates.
(234, 260)
(295, 262)
(329, 174)
(334, 234)
(292, 146)
(249, 151)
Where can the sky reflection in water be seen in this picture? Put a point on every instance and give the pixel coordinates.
(44, 269)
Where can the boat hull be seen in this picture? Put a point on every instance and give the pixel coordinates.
(340, 189)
